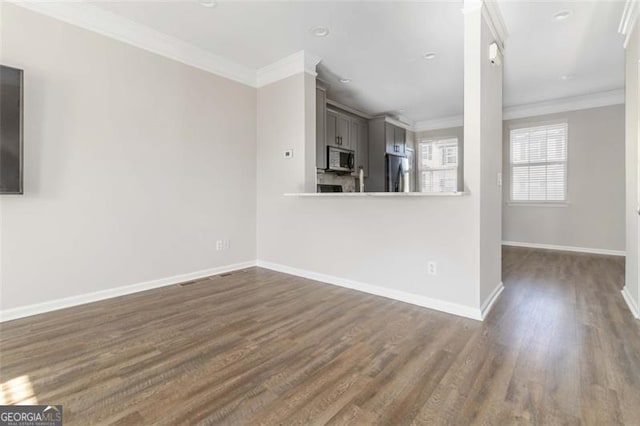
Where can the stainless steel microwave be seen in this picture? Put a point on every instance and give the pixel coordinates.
(340, 160)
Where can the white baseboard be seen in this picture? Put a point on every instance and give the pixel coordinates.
(633, 307)
(491, 300)
(53, 305)
(414, 299)
(565, 248)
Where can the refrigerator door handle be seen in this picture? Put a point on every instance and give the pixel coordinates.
(398, 183)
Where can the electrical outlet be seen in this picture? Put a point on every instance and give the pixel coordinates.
(288, 153)
(227, 244)
(219, 245)
(432, 267)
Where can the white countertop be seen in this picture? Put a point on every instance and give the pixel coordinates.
(375, 194)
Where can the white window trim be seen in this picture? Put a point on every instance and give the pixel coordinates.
(419, 170)
(539, 203)
(527, 124)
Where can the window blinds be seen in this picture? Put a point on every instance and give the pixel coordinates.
(438, 165)
(539, 163)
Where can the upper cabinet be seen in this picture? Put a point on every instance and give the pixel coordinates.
(396, 139)
(389, 137)
(360, 137)
(344, 131)
(401, 139)
(338, 129)
(341, 129)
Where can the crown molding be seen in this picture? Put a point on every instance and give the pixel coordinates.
(396, 122)
(409, 123)
(629, 18)
(293, 64)
(92, 18)
(574, 103)
(349, 109)
(439, 123)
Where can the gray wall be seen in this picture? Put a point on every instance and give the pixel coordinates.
(134, 165)
(594, 216)
(384, 242)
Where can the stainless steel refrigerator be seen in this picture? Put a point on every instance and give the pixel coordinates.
(397, 169)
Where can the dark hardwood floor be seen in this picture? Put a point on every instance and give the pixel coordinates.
(260, 347)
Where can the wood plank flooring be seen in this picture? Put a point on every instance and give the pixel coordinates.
(260, 347)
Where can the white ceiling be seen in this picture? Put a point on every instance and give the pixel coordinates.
(540, 51)
(379, 46)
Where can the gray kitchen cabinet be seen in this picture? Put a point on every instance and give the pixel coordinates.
(354, 133)
(341, 129)
(395, 138)
(331, 137)
(384, 138)
(321, 128)
(338, 130)
(360, 138)
(380, 139)
(389, 137)
(400, 135)
(344, 131)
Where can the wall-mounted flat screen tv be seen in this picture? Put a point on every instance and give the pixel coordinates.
(11, 130)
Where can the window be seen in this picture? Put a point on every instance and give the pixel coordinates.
(428, 152)
(438, 165)
(451, 155)
(539, 163)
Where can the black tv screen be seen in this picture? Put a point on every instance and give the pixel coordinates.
(10, 130)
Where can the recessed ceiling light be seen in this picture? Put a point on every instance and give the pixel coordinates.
(566, 77)
(562, 15)
(209, 3)
(429, 56)
(345, 80)
(320, 31)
